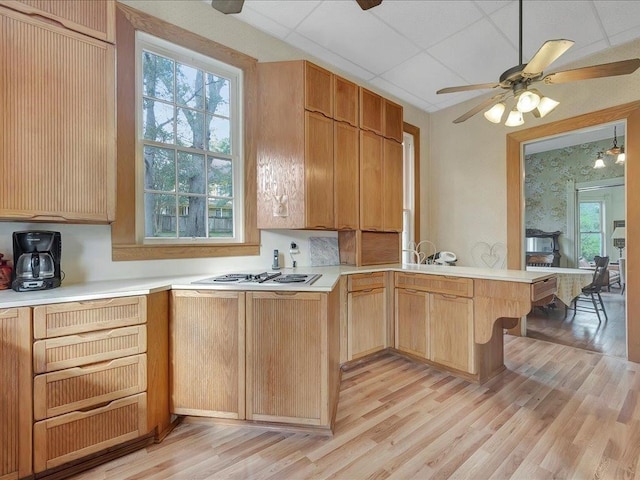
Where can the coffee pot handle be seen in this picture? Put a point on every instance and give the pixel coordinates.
(35, 264)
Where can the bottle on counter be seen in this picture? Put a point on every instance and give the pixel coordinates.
(5, 274)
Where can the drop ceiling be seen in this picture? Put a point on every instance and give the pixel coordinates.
(412, 48)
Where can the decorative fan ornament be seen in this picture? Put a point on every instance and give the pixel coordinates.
(518, 80)
(235, 6)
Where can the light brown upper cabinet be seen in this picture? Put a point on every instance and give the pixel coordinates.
(393, 121)
(371, 111)
(95, 18)
(57, 141)
(346, 101)
(295, 146)
(346, 146)
(318, 89)
(393, 184)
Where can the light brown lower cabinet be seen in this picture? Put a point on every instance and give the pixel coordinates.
(367, 330)
(208, 353)
(68, 437)
(451, 332)
(98, 383)
(15, 393)
(412, 322)
(292, 357)
(434, 319)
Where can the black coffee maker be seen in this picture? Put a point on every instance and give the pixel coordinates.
(36, 260)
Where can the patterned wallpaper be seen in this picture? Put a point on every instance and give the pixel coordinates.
(546, 176)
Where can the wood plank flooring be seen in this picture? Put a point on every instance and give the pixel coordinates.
(557, 412)
(583, 330)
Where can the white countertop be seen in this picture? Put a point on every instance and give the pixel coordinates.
(326, 283)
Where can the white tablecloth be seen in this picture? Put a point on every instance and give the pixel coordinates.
(570, 281)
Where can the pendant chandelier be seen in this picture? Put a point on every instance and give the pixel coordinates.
(616, 150)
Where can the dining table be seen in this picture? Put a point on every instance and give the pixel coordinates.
(570, 281)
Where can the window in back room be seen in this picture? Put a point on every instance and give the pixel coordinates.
(189, 165)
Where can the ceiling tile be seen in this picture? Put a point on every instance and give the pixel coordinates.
(327, 56)
(288, 14)
(357, 35)
(618, 16)
(481, 53)
(263, 23)
(428, 23)
(402, 94)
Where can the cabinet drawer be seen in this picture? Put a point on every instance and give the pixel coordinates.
(83, 387)
(462, 287)
(77, 350)
(365, 281)
(79, 317)
(74, 435)
(545, 288)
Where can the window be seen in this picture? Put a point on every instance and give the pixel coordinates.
(197, 198)
(189, 145)
(591, 230)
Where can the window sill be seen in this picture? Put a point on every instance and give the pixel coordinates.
(121, 253)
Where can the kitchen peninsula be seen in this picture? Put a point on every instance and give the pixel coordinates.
(272, 353)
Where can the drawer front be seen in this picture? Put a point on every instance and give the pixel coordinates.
(545, 288)
(461, 287)
(82, 387)
(80, 317)
(76, 350)
(74, 435)
(365, 281)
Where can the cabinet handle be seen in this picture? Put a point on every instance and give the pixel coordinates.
(411, 290)
(97, 302)
(288, 294)
(53, 218)
(446, 295)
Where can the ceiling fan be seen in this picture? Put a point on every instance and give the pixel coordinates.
(517, 80)
(235, 6)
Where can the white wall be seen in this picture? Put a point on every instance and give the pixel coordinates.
(86, 252)
(467, 162)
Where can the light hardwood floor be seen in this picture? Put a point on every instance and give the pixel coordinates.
(583, 330)
(557, 412)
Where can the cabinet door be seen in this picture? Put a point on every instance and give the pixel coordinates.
(286, 357)
(318, 89)
(346, 159)
(393, 121)
(318, 175)
(393, 184)
(346, 101)
(366, 322)
(15, 400)
(412, 322)
(371, 106)
(207, 353)
(61, 169)
(451, 332)
(371, 184)
(96, 18)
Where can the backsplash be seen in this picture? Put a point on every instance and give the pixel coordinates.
(86, 253)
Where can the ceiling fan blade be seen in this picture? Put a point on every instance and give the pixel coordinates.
(227, 6)
(548, 53)
(464, 88)
(623, 67)
(481, 106)
(367, 4)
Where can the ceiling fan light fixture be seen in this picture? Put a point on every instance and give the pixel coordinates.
(615, 149)
(622, 157)
(527, 101)
(599, 161)
(514, 119)
(546, 106)
(494, 114)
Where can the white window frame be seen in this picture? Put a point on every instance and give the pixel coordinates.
(162, 47)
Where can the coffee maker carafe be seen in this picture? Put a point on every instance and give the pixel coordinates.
(36, 260)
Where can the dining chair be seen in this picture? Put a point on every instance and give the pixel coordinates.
(590, 296)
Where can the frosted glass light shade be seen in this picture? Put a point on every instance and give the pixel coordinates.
(514, 119)
(621, 156)
(494, 114)
(527, 101)
(599, 161)
(546, 105)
